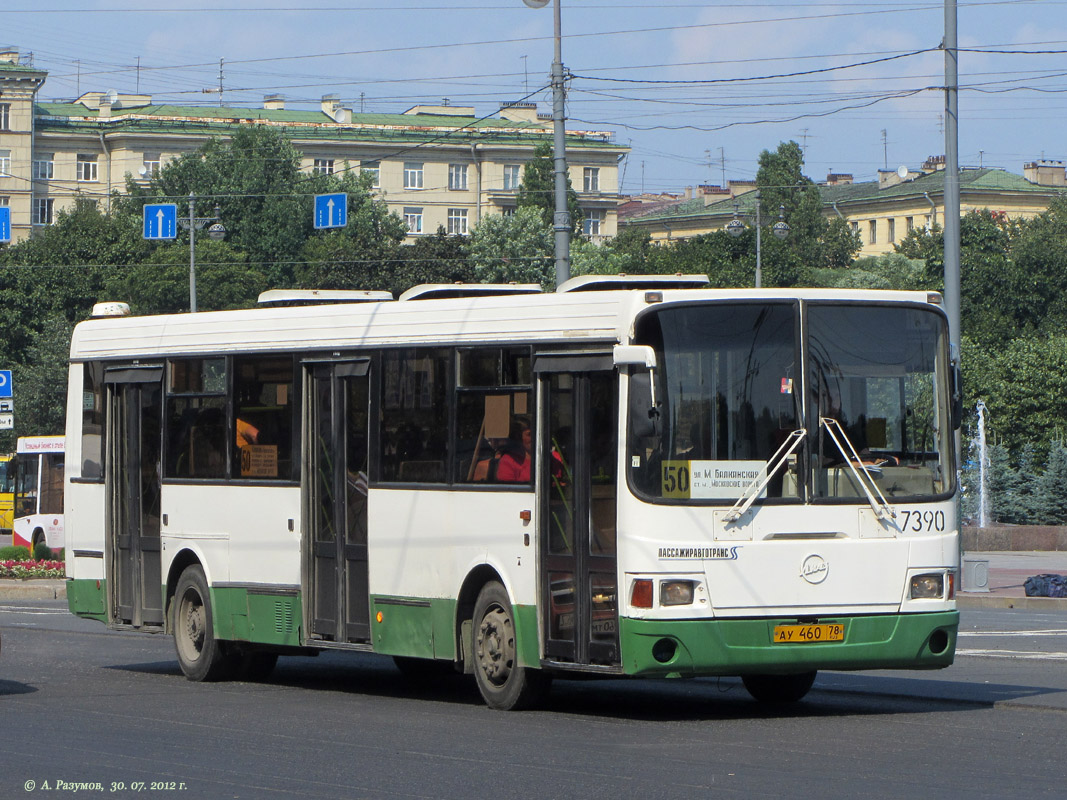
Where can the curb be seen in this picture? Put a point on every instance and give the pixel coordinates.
(1000, 601)
(32, 589)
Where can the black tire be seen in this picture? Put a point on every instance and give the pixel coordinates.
(777, 689)
(502, 681)
(201, 656)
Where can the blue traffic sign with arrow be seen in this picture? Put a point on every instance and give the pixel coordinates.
(5, 383)
(161, 221)
(331, 210)
(5, 224)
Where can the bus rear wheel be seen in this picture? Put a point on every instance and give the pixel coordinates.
(200, 655)
(779, 688)
(502, 681)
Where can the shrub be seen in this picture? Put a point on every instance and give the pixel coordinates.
(14, 553)
(42, 552)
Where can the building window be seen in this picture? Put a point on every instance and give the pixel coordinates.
(892, 230)
(323, 166)
(44, 167)
(855, 227)
(928, 222)
(413, 219)
(5, 116)
(150, 165)
(909, 224)
(374, 169)
(592, 221)
(412, 175)
(591, 179)
(872, 232)
(507, 211)
(86, 168)
(4, 201)
(457, 221)
(512, 177)
(457, 177)
(42, 211)
(5, 163)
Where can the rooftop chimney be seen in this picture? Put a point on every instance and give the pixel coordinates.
(274, 102)
(1045, 173)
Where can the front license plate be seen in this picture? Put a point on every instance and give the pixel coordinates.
(803, 634)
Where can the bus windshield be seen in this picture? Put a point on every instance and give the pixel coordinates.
(730, 398)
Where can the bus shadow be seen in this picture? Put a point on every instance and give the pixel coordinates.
(16, 687)
(653, 700)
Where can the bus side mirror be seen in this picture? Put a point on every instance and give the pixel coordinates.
(956, 398)
(644, 409)
(644, 413)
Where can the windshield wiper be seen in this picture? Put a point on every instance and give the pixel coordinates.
(852, 458)
(753, 490)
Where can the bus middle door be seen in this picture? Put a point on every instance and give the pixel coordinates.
(338, 587)
(133, 486)
(576, 474)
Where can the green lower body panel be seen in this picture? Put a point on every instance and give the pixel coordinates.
(88, 598)
(426, 628)
(254, 615)
(689, 648)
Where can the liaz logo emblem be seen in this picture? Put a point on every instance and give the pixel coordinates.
(814, 569)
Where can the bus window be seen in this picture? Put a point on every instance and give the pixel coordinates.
(493, 416)
(196, 419)
(414, 429)
(263, 418)
(93, 421)
(726, 401)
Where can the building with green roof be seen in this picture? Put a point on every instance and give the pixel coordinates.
(882, 212)
(438, 166)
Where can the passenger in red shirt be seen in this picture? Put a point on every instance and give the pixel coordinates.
(515, 460)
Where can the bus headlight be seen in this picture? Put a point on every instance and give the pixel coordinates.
(676, 593)
(930, 586)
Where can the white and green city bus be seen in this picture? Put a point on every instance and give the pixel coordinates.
(627, 476)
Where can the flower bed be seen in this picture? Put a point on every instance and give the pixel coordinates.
(32, 569)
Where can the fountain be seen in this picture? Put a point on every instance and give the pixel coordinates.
(983, 469)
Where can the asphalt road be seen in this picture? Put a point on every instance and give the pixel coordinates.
(81, 705)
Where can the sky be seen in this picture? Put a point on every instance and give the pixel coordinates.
(696, 89)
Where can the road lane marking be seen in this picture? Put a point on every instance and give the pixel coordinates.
(35, 610)
(1030, 655)
(1052, 632)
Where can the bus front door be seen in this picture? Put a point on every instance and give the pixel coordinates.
(580, 613)
(133, 478)
(337, 502)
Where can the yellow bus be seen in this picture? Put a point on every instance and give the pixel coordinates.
(7, 493)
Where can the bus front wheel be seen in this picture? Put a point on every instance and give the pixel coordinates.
(779, 688)
(200, 654)
(503, 682)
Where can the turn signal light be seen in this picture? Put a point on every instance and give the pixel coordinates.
(641, 593)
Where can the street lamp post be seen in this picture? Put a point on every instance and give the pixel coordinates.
(192, 224)
(561, 219)
(780, 229)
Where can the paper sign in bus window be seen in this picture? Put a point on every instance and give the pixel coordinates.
(722, 480)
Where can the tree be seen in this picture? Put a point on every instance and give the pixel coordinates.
(513, 248)
(42, 387)
(538, 188)
(813, 241)
(160, 285)
(887, 271)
